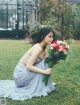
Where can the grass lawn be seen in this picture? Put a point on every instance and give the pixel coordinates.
(66, 75)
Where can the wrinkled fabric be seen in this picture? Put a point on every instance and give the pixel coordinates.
(26, 84)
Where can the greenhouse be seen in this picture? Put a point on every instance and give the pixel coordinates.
(16, 14)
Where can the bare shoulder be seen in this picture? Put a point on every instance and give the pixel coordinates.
(37, 47)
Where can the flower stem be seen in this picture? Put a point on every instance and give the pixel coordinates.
(45, 80)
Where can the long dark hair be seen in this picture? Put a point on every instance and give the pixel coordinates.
(40, 35)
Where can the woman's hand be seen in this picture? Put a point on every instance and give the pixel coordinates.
(48, 71)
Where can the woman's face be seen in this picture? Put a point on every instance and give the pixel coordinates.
(48, 38)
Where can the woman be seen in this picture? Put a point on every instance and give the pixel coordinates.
(31, 69)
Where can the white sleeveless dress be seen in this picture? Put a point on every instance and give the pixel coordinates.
(26, 84)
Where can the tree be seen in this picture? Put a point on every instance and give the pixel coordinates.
(60, 15)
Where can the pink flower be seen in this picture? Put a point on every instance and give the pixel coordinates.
(55, 42)
(57, 47)
(51, 48)
(61, 48)
(65, 48)
(65, 52)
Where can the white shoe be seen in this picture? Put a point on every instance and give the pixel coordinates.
(54, 84)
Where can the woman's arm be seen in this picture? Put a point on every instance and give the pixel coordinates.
(30, 64)
(46, 53)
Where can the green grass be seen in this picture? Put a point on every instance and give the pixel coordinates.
(66, 75)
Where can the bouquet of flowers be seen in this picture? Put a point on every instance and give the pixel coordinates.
(58, 51)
